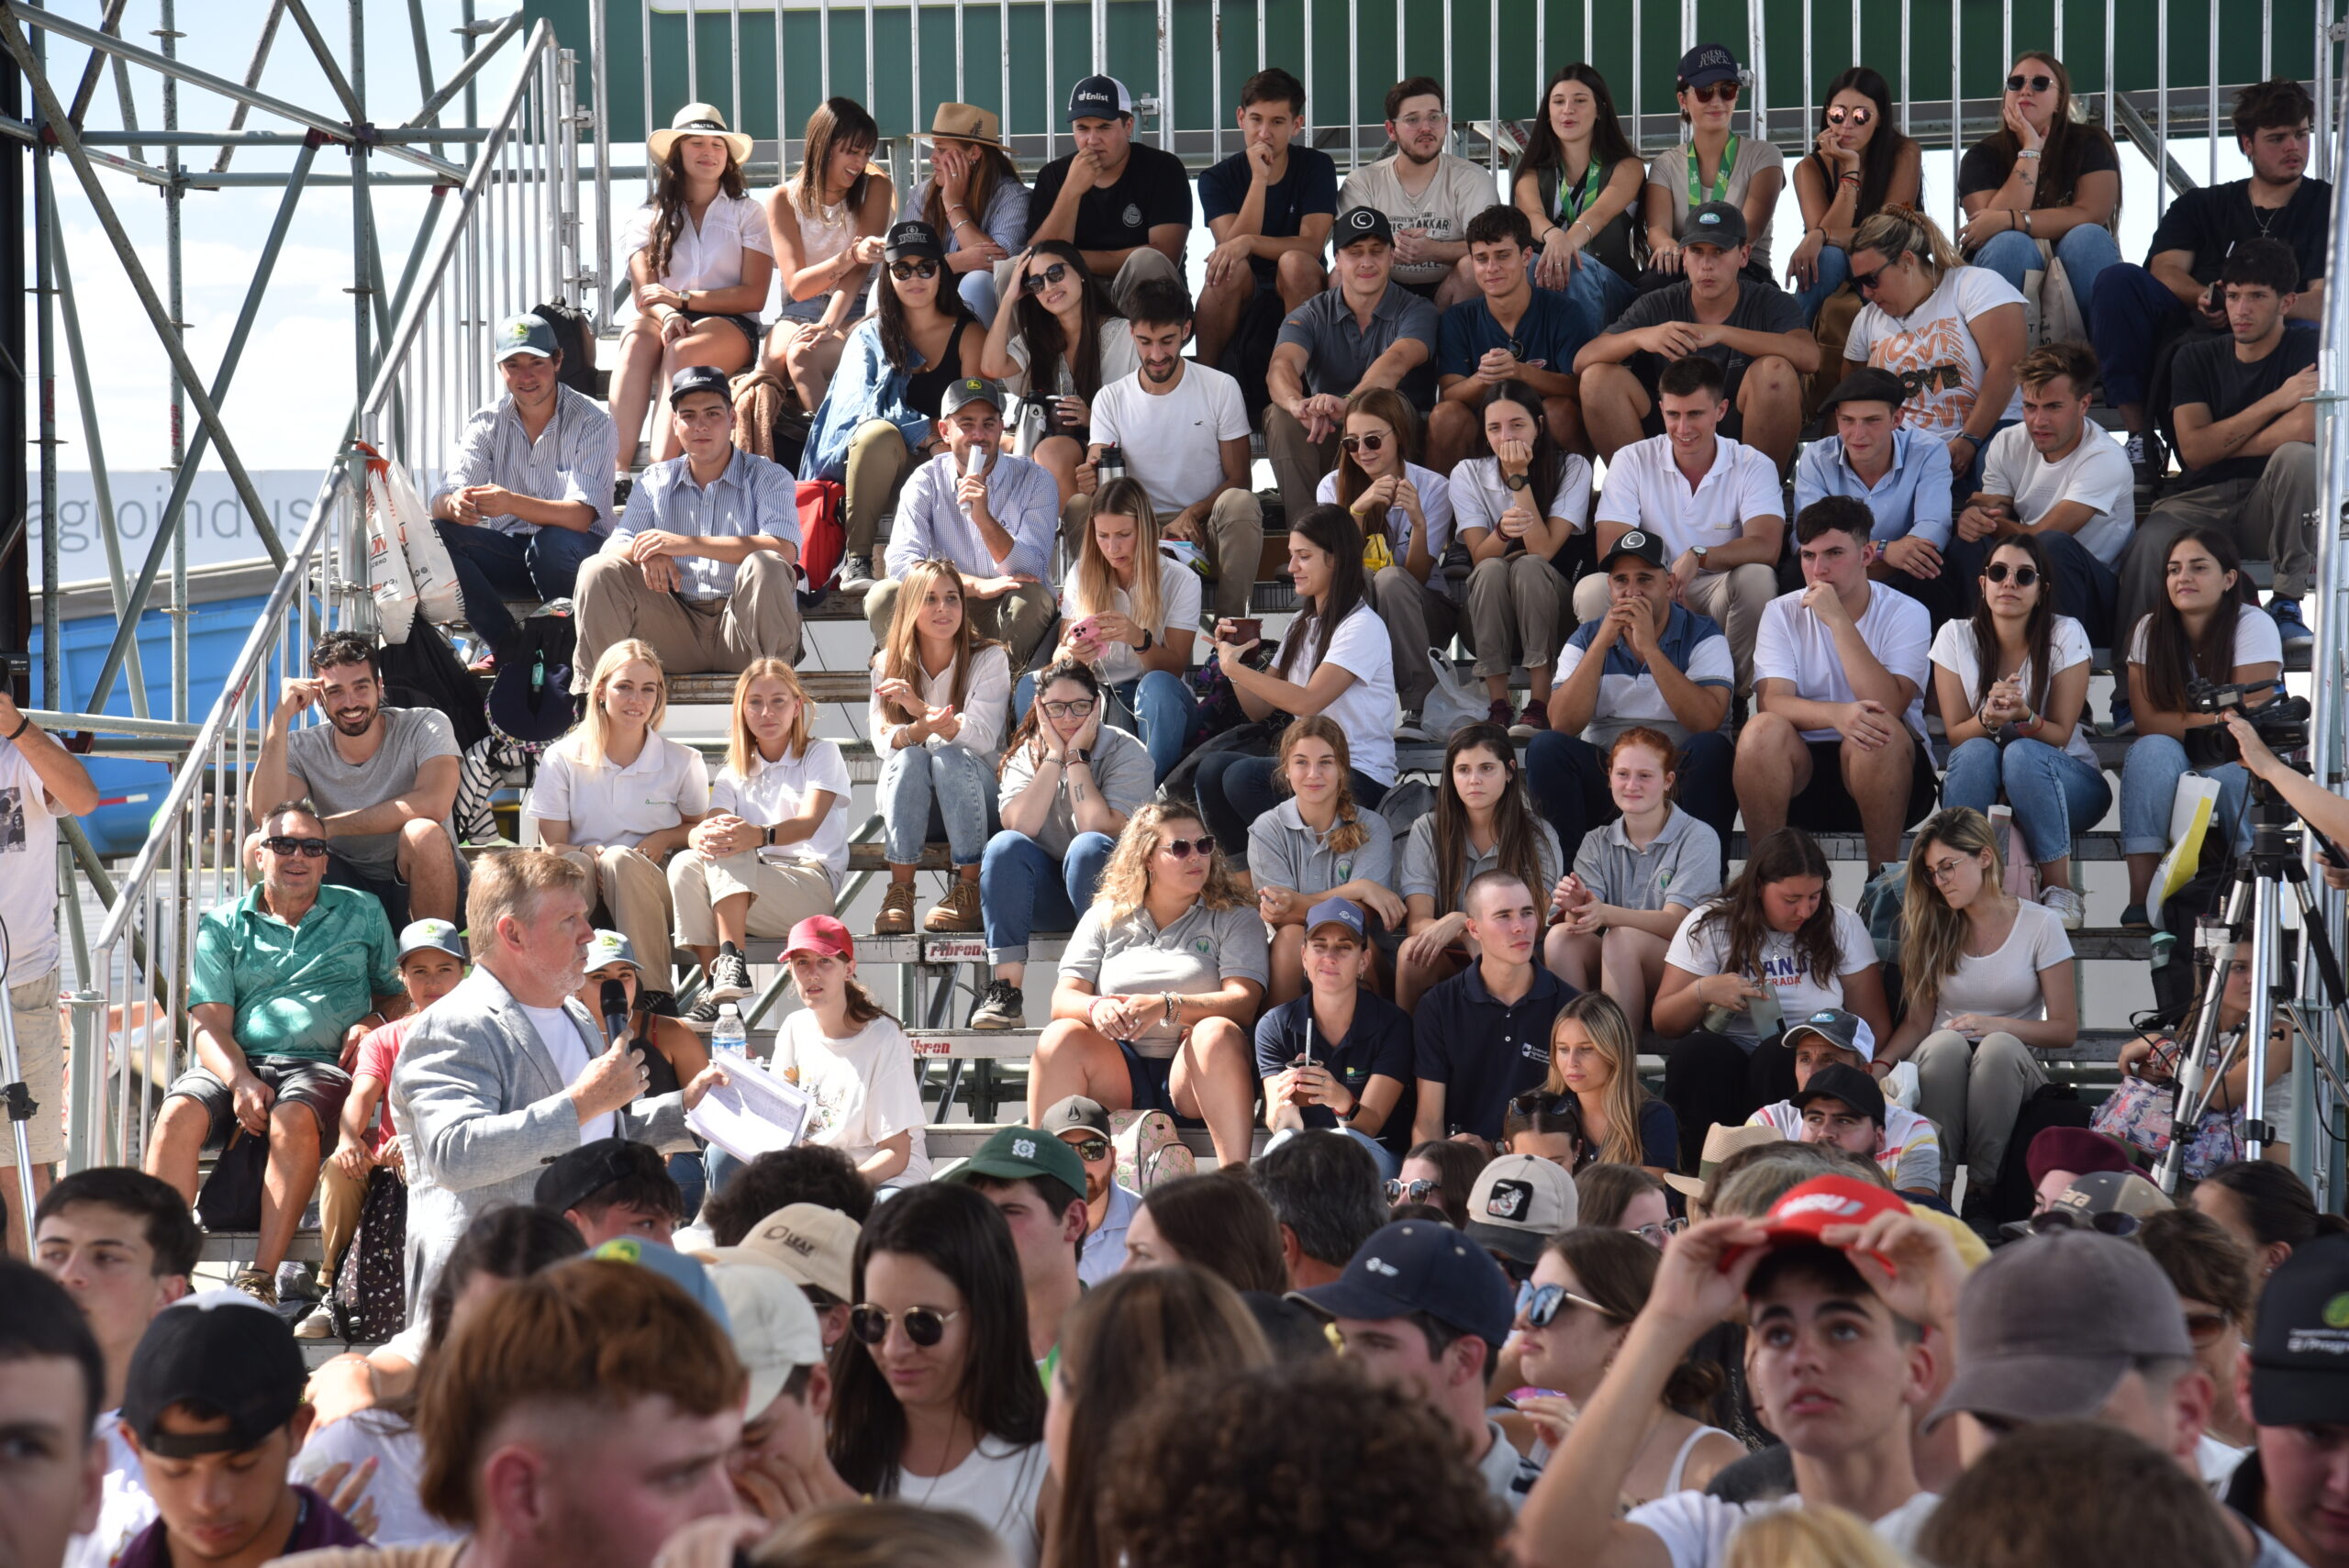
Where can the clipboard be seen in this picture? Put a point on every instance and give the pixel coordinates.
(753, 1114)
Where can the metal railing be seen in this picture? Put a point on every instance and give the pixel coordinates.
(507, 239)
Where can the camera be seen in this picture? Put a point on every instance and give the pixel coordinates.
(2282, 726)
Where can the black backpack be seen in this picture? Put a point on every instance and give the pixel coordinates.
(425, 672)
(575, 335)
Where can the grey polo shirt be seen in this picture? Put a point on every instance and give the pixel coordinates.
(1121, 767)
(1419, 862)
(1192, 957)
(1682, 865)
(1339, 349)
(1284, 852)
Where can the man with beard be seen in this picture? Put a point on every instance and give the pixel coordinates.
(386, 778)
(1428, 194)
(1084, 1125)
(508, 1071)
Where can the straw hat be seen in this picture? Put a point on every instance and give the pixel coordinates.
(967, 122)
(1721, 1142)
(698, 119)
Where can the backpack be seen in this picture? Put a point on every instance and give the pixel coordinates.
(575, 335)
(425, 672)
(1150, 1152)
(823, 537)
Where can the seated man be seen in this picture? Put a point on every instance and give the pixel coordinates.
(1905, 1146)
(2290, 1484)
(2246, 425)
(705, 564)
(1368, 331)
(529, 496)
(283, 980)
(2055, 475)
(1037, 1182)
(1428, 194)
(1484, 1035)
(1183, 431)
(610, 1186)
(1269, 206)
(386, 778)
(1126, 204)
(1753, 330)
(1838, 743)
(1512, 331)
(1084, 1125)
(1902, 476)
(994, 523)
(1714, 502)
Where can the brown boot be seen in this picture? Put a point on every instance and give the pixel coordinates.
(958, 911)
(897, 917)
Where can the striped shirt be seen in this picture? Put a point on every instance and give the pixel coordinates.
(570, 461)
(754, 496)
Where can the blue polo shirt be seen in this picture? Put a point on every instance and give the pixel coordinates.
(1627, 694)
(1549, 334)
(1483, 1052)
(1913, 496)
(1379, 1042)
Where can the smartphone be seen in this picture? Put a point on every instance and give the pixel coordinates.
(1085, 631)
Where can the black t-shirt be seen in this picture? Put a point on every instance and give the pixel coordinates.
(1760, 308)
(1988, 162)
(1308, 186)
(2208, 373)
(1153, 190)
(2211, 222)
(1379, 1042)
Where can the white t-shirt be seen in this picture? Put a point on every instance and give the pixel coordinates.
(1702, 947)
(604, 804)
(1119, 358)
(1933, 350)
(2005, 983)
(997, 1485)
(1435, 504)
(1365, 710)
(704, 257)
(27, 868)
(398, 1450)
(1171, 439)
(1696, 1527)
(124, 1505)
(1478, 496)
(2067, 647)
(2256, 639)
(1456, 190)
(1794, 644)
(2096, 475)
(1645, 489)
(568, 1047)
(1178, 610)
(865, 1088)
(775, 791)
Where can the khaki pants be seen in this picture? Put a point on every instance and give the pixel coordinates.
(1417, 618)
(1235, 533)
(634, 891)
(1974, 1093)
(339, 1198)
(1298, 463)
(2270, 518)
(41, 1058)
(878, 462)
(1733, 599)
(1019, 618)
(693, 637)
(1145, 264)
(1516, 610)
(782, 894)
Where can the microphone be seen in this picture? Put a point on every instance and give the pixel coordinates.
(615, 1001)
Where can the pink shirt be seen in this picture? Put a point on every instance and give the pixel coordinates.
(377, 1051)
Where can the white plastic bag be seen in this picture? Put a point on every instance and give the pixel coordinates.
(1453, 704)
(388, 580)
(408, 567)
(430, 566)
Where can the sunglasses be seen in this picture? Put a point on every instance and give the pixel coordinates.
(1999, 571)
(309, 848)
(2204, 1327)
(925, 1326)
(1183, 848)
(1538, 1306)
(1037, 283)
(1841, 115)
(2018, 82)
(1718, 92)
(1082, 707)
(1866, 282)
(1362, 444)
(1090, 1149)
(1411, 1192)
(2111, 1223)
(903, 271)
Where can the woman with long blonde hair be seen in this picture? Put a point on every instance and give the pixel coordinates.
(1405, 514)
(1317, 845)
(825, 223)
(1158, 986)
(1132, 612)
(1594, 1062)
(773, 849)
(616, 798)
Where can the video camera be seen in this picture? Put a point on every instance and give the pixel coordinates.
(2282, 725)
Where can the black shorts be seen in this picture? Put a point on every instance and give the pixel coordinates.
(321, 1086)
(388, 890)
(1151, 1081)
(1824, 805)
(746, 325)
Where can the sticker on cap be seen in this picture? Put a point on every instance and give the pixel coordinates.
(1816, 1203)
(517, 331)
(1510, 1200)
(1023, 1148)
(1381, 1266)
(2336, 1312)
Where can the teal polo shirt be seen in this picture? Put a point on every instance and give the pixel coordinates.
(295, 988)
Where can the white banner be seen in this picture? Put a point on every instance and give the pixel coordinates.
(217, 529)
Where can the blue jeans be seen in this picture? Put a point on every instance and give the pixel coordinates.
(2055, 794)
(2134, 312)
(1019, 888)
(2149, 784)
(1235, 788)
(977, 289)
(949, 787)
(688, 1172)
(2084, 249)
(491, 566)
(1835, 271)
(1164, 710)
(1597, 294)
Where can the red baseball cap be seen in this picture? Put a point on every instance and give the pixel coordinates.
(820, 933)
(1797, 1219)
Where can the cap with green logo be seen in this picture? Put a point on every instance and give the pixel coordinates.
(611, 947)
(417, 936)
(970, 389)
(524, 334)
(1018, 1153)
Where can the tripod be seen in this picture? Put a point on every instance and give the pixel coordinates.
(2252, 913)
(17, 1099)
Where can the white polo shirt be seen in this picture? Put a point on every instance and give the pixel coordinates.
(1645, 489)
(778, 790)
(1794, 644)
(605, 803)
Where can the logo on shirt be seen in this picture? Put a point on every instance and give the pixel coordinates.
(1204, 945)
(1510, 1200)
(1132, 215)
(12, 820)
(1345, 871)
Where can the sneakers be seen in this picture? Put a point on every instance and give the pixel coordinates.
(1498, 712)
(856, 571)
(2124, 720)
(2135, 919)
(730, 978)
(2149, 460)
(257, 1284)
(897, 917)
(999, 1008)
(2298, 638)
(317, 1323)
(622, 488)
(298, 1282)
(1413, 728)
(1534, 720)
(2066, 905)
(704, 1015)
(958, 912)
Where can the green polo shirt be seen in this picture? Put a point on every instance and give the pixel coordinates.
(295, 988)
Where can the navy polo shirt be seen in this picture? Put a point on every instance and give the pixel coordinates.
(1379, 1042)
(1484, 1053)
(1548, 335)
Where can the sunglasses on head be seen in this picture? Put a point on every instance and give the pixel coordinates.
(1411, 1192)
(1716, 93)
(1037, 283)
(2018, 82)
(2110, 1223)
(1842, 115)
(1362, 444)
(903, 271)
(925, 1326)
(1090, 1149)
(1999, 571)
(282, 844)
(1184, 849)
(1538, 1306)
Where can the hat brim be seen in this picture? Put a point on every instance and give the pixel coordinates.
(520, 348)
(1521, 1245)
(969, 139)
(2041, 1387)
(1000, 1168)
(1692, 1186)
(1353, 1298)
(2293, 1396)
(1708, 75)
(661, 141)
(402, 956)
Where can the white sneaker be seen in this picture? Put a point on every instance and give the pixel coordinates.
(856, 571)
(316, 1324)
(2067, 905)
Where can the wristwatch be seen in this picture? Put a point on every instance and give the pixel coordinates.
(1148, 640)
(1079, 754)
(1700, 551)
(1517, 481)
(769, 836)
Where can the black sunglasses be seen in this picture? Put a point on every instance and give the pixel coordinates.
(925, 1326)
(1999, 571)
(1842, 115)
(309, 848)
(902, 270)
(1362, 444)
(1183, 848)
(1037, 283)
(1090, 1149)
(2017, 83)
(1538, 1306)
(1866, 282)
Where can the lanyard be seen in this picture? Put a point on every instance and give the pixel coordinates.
(1696, 197)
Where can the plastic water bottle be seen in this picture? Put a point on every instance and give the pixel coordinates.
(726, 1037)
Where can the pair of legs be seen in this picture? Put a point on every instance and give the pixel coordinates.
(2149, 780)
(492, 567)
(2086, 251)
(2055, 796)
(1018, 619)
(1211, 1078)
(1598, 294)
(731, 898)
(1517, 615)
(1234, 539)
(2132, 314)
(647, 359)
(878, 462)
(1234, 789)
(1625, 963)
(427, 881)
(1766, 398)
(1973, 1091)
(2270, 518)
(1835, 271)
(1298, 460)
(1733, 600)
(797, 353)
(1777, 769)
(1419, 620)
(1022, 887)
(634, 891)
(945, 790)
(40, 1062)
(1455, 428)
(759, 619)
(1568, 777)
(305, 1100)
(1296, 275)
(1060, 456)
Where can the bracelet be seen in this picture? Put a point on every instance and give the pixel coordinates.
(24, 722)
(1174, 1008)
(2027, 153)
(2026, 225)
(1849, 177)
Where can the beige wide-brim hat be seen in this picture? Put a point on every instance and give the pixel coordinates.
(967, 122)
(698, 119)
(1721, 1142)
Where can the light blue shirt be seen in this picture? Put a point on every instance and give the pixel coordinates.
(570, 461)
(932, 525)
(754, 496)
(1913, 499)
(1103, 1253)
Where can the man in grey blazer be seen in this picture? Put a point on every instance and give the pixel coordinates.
(486, 1093)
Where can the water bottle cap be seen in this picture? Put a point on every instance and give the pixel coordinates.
(729, 1010)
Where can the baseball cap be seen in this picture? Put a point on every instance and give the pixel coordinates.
(611, 947)
(687, 1275)
(1075, 1113)
(2046, 1328)
(1520, 1201)
(440, 935)
(1714, 222)
(1806, 1211)
(820, 934)
(1839, 1027)
(1335, 912)
(576, 1175)
(1869, 383)
(1099, 98)
(2072, 1149)
(773, 1328)
(2111, 1192)
(1709, 63)
(1853, 1087)
(699, 378)
(223, 1353)
(1017, 1154)
(1357, 223)
(911, 239)
(2299, 1347)
(1647, 546)
(806, 1243)
(524, 334)
(970, 389)
(1418, 1265)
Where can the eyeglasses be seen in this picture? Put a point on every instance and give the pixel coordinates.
(1999, 571)
(1653, 1233)
(1037, 283)
(2111, 1223)
(1081, 708)
(1538, 1306)
(1866, 282)
(308, 849)
(1411, 1192)
(1090, 1149)
(1362, 444)
(2204, 1327)
(1183, 848)
(1856, 117)
(1944, 871)
(925, 1326)
(1718, 92)
(1436, 121)
(2017, 83)
(902, 270)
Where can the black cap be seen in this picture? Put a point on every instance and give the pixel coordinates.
(1360, 223)
(700, 378)
(1869, 383)
(2299, 1351)
(1853, 1087)
(911, 238)
(1714, 222)
(1709, 63)
(573, 1177)
(1647, 546)
(1099, 98)
(224, 1354)
(1417, 1265)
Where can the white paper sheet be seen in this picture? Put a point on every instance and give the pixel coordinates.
(755, 1113)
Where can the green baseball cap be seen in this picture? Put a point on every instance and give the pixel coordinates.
(1017, 1153)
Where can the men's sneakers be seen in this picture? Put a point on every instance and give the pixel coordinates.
(856, 571)
(730, 978)
(999, 1008)
(2298, 638)
(2149, 461)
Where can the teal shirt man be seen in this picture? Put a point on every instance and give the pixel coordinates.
(295, 989)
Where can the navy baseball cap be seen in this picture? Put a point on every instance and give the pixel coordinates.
(699, 378)
(1099, 98)
(1418, 1265)
(1718, 224)
(1336, 912)
(1709, 63)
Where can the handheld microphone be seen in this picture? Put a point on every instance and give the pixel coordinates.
(615, 1001)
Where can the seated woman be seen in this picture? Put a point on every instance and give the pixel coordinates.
(2207, 626)
(1905, 1146)
(1158, 986)
(1209, 1222)
(878, 419)
(616, 798)
(1634, 881)
(1773, 938)
(1578, 182)
(940, 697)
(1317, 845)
(2219, 1136)
(1546, 1126)
(826, 224)
(973, 197)
(674, 1054)
(1334, 660)
(1339, 1057)
(1987, 979)
(1068, 785)
(1405, 514)
(1595, 1063)
(773, 849)
(845, 1050)
(2011, 683)
(1522, 511)
(1132, 612)
(1630, 1198)
(1860, 162)
(1713, 165)
(2042, 187)
(1058, 316)
(1482, 821)
(1441, 1173)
